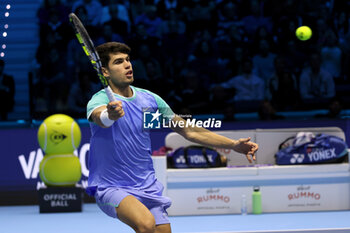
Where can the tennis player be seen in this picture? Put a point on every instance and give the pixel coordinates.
(122, 178)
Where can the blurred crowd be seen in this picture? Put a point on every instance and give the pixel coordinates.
(202, 56)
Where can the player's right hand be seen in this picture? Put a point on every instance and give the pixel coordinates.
(115, 110)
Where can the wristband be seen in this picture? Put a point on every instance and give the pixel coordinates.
(104, 119)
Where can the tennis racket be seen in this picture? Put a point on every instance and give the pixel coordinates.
(89, 49)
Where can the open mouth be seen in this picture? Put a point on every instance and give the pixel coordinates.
(129, 73)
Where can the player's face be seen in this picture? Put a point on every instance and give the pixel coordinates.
(119, 70)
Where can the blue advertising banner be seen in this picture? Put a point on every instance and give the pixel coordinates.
(20, 153)
(21, 156)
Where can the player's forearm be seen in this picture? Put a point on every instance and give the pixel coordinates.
(204, 136)
(96, 117)
(208, 138)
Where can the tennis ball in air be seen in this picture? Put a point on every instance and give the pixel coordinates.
(59, 134)
(303, 33)
(60, 170)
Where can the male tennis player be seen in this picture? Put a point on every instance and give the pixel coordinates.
(122, 176)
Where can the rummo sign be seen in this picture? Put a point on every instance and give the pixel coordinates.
(304, 196)
(213, 195)
(201, 201)
(307, 197)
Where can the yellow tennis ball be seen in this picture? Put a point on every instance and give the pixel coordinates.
(59, 134)
(60, 170)
(303, 33)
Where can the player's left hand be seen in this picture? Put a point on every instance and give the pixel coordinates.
(245, 146)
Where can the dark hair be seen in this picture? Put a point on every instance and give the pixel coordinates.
(104, 51)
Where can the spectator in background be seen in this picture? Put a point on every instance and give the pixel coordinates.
(227, 43)
(295, 59)
(204, 60)
(321, 31)
(227, 16)
(200, 36)
(194, 94)
(341, 25)
(48, 6)
(151, 21)
(247, 85)
(331, 55)
(139, 63)
(345, 46)
(59, 28)
(141, 37)
(147, 69)
(174, 40)
(334, 109)
(285, 30)
(81, 92)
(172, 25)
(255, 18)
(220, 99)
(263, 34)
(173, 69)
(117, 15)
(156, 81)
(7, 92)
(229, 113)
(263, 66)
(137, 8)
(51, 41)
(164, 6)
(286, 96)
(53, 83)
(107, 34)
(268, 112)
(236, 62)
(199, 16)
(94, 10)
(316, 85)
(282, 87)
(187, 27)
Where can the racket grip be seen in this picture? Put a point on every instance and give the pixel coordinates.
(109, 93)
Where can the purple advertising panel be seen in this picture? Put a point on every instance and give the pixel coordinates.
(21, 156)
(20, 153)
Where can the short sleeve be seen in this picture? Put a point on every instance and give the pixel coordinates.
(164, 108)
(98, 100)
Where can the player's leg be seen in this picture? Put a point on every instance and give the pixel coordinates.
(135, 214)
(163, 228)
(161, 217)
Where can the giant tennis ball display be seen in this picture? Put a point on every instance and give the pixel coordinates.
(303, 33)
(60, 170)
(59, 134)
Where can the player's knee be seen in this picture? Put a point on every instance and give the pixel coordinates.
(148, 225)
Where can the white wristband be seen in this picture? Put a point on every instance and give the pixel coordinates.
(104, 119)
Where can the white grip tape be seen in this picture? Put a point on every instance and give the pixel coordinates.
(109, 93)
(105, 120)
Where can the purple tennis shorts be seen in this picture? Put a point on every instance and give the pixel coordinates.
(109, 198)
